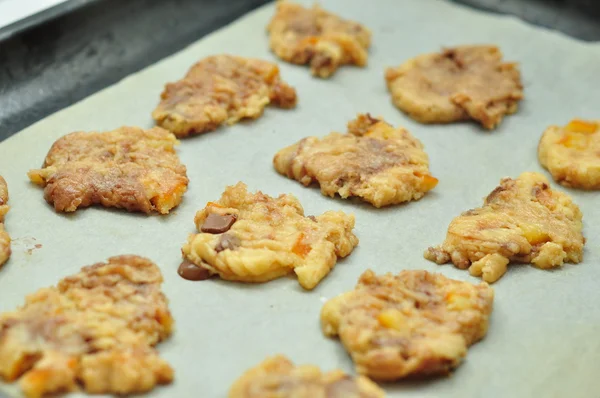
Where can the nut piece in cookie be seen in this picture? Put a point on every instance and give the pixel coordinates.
(462, 83)
(572, 154)
(4, 237)
(278, 377)
(412, 324)
(252, 237)
(374, 161)
(318, 38)
(95, 329)
(128, 168)
(221, 89)
(521, 221)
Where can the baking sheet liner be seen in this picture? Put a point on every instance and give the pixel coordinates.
(544, 333)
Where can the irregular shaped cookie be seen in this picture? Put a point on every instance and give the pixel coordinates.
(221, 89)
(128, 168)
(374, 161)
(572, 153)
(249, 237)
(4, 237)
(318, 38)
(95, 329)
(461, 83)
(411, 324)
(278, 377)
(522, 221)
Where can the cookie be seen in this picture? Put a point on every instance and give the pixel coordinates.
(278, 377)
(374, 161)
(252, 237)
(315, 37)
(128, 168)
(412, 324)
(95, 330)
(4, 237)
(522, 221)
(221, 89)
(461, 83)
(572, 154)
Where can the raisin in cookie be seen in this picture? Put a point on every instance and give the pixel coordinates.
(250, 237)
(128, 168)
(467, 82)
(221, 89)
(374, 161)
(522, 221)
(318, 38)
(412, 324)
(4, 237)
(278, 377)
(572, 154)
(95, 329)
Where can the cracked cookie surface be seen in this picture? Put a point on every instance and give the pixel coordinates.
(523, 221)
(4, 237)
(128, 168)
(221, 89)
(95, 329)
(572, 154)
(315, 37)
(252, 237)
(374, 161)
(278, 377)
(461, 83)
(414, 323)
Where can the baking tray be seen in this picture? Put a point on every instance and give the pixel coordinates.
(543, 336)
(61, 56)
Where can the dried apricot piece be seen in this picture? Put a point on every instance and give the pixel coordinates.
(582, 126)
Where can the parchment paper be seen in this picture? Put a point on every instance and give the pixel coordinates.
(544, 336)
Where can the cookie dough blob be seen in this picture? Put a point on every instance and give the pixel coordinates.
(572, 154)
(253, 237)
(96, 329)
(523, 220)
(4, 237)
(278, 377)
(461, 83)
(414, 323)
(374, 161)
(221, 89)
(128, 168)
(315, 37)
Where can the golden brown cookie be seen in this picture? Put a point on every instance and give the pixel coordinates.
(412, 324)
(374, 161)
(461, 83)
(95, 329)
(128, 168)
(250, 237)
(572, 153)
(521, 221)
(318, 38)
(278, 377)
(221, 89)
(4, 237)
